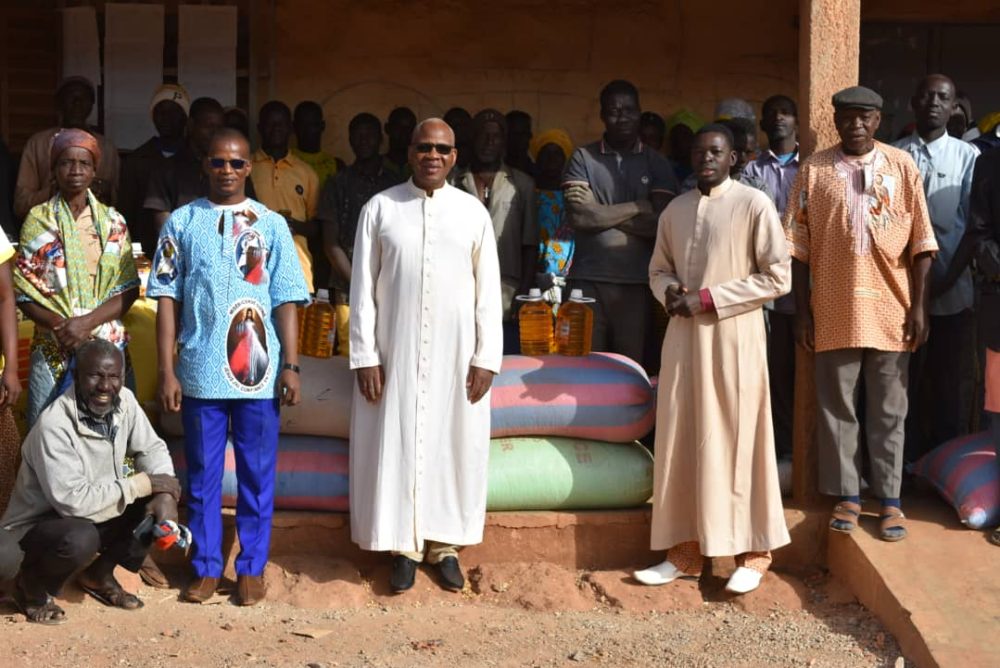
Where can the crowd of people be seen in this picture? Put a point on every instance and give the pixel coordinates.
(708, 259)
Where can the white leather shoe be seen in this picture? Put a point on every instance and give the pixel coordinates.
(660, 574)
(744, 580)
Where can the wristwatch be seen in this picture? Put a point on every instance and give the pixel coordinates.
(291, 367)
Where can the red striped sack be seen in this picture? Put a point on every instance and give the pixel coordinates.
(964, 471)
(312, 473)
(602, 397)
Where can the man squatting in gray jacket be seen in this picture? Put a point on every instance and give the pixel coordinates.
(72, 501)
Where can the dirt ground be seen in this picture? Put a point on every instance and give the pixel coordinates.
(325, 613)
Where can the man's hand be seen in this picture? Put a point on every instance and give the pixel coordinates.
(477, 383)
(681, 303)
(917, 328)
(804, 330)
(168, 392)
(164, 483)
(162, 508)
(72, 332)
(686, 305)
(370, 381)
(579, 193)
(289, 387)
(10, 389)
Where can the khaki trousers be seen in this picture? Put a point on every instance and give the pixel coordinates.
(433, 552)
(839, 378)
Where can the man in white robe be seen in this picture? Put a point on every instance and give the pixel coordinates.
(426, 340)
(720, 256)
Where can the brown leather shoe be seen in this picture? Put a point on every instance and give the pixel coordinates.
(250, 589)
(201, 589)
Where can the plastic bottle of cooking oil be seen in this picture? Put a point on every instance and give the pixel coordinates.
(575, 325)
(535, 324)
(317, 334)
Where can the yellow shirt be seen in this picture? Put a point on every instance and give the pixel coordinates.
(6, 249)
(324, 164)
(288, 185)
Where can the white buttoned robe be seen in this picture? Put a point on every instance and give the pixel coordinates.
(426, 305)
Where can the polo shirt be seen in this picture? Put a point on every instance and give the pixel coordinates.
(291, 185)
(324, 164)
(6, 249)
(613, 256)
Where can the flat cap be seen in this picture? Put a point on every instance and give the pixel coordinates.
(857, 97)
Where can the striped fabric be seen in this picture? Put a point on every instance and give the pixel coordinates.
(604, 397)
(965, 472)
(312, 473)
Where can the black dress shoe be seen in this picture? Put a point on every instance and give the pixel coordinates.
(450, 574)
(404, 572)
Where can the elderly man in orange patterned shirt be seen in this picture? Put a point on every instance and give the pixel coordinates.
(858, 227)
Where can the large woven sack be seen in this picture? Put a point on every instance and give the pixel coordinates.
(567, 474)
(965, 472)
(140, 323)
(312, 473)
(602, 396)
(324, 409)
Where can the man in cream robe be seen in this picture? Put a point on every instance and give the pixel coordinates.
(426, 339)
(720, 255)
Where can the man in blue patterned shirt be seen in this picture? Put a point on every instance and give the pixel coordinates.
(228, 280)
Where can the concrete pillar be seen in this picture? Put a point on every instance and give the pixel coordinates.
(829, 42)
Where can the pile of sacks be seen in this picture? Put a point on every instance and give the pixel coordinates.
(564, 433)
(312, 447)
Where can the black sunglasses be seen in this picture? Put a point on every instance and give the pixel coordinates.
(426, 147)
(219, 163)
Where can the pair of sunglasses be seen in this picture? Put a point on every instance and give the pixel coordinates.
(219, 163)
(442, 149)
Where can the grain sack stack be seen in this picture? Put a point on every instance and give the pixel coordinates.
(312, 448)
(564, 434)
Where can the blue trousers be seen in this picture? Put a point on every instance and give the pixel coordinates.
(254, 425)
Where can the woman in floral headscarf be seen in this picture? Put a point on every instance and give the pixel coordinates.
(550, 150)
(75, 275)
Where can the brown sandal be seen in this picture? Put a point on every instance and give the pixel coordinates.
(892, 526)
(845, 517)
(111, 594)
